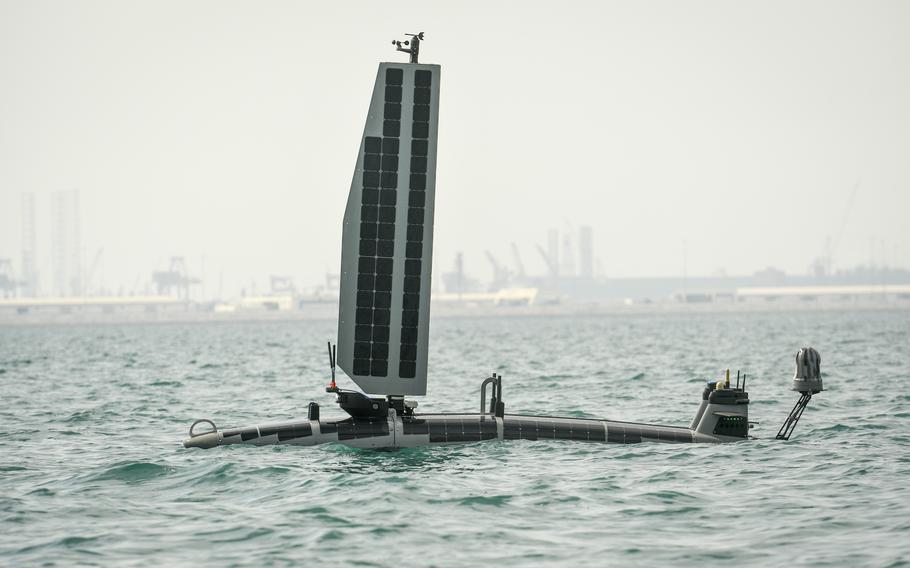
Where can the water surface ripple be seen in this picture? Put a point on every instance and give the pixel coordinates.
(92, 471)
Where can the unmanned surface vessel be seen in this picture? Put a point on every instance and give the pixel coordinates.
(384, 310)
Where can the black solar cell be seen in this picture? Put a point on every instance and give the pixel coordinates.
(411, 286)
(389, 197)
(423, 78)
(418, 182)
(393, 76)
(368, 247)
(381, 333)
(381, 317)
(368, 230)
(415, 232)
(364, 316)
(385, 248)
(418, 165)
(364, 298)
(384, 283)
(415, 215)
(370, 179)
(370, 197)
(419, 147)
(416, 426)
(379, 367)
(410, 301)
(420, 130)
(421, 95)
(409, 334)
(371, 162)
(361, 366)
(389, 162)
(408, 352)
(382, 300)
(414, 250)
(361, 349)
(407, 369)
(392, 111)
(393, 94)
(417, 198)
(390, 145)
(384, 266)
(391, 128)
(380, 350)
(369, 213)
(386, 231)
(389, 180)
(412, 267)
(422, 113)
(386, 214)
(366, 265)
(410, 317)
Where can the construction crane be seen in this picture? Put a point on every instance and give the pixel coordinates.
(500, 273)
(552, 268)
(176, 280)
(519, 267)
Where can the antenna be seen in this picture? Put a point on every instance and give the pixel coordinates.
(332, 386)
(414, 43)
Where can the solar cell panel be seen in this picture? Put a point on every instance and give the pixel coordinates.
(387, 238)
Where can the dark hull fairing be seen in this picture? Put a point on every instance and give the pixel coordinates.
(430, 429)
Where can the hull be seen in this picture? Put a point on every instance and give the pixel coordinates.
(437, 429)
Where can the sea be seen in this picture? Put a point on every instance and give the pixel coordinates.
(93, 471)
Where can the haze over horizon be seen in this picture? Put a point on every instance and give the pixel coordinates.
(227, 132)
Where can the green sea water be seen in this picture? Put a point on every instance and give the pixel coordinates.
(92, 470)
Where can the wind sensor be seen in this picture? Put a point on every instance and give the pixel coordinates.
(411, 46)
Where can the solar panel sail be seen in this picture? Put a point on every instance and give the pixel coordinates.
(387, 240)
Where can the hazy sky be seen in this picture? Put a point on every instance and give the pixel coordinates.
(229, 130)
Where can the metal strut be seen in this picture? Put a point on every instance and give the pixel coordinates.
(497, 406)
(793, 418)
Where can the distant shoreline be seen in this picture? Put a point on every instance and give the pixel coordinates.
(328, 311)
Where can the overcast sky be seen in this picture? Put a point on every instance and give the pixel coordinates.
(229, 130)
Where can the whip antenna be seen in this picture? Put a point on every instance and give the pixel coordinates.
(332, 363)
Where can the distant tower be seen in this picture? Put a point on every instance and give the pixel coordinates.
(66, 243)
(459, 272)
(29, 247)
(553, 252)
(75, 252)
(58, 244)
(585, 252)
(567, 262)
(7, 279)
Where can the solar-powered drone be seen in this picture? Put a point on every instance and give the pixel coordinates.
(384, 311)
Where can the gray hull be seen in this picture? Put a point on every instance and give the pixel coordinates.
(434, 429)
